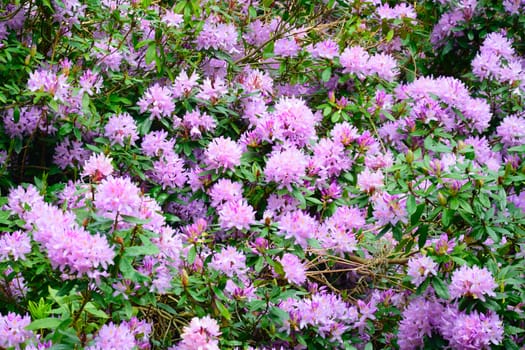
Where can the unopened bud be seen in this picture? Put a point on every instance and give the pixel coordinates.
(331, 96)
(185, 279)
(442, 199)
(410, 157)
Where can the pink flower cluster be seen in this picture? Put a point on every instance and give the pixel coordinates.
(498, 60)
(201, 333)
(12, 330)
(356, 60)
(48, 81)
(472, 282)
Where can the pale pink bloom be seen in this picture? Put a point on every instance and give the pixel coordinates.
(98, 166)
(420, 268)
(223, 153)
(369, 181)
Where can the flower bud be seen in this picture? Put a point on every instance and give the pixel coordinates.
(410, 157)
(331, 96)
(442, 199)
(185, 279)
(479, 183)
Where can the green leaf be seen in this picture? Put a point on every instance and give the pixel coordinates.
(16, 114)
(85, 103)
(192, 254)
(145, 126)
(335, 117)
(223, 310)
(422, 233)
(414, 218)
(411, 205)
(389, 35)
(327, 74)
(492, 234)
(441, 288)
(141, 250)
(134, 220)
(397, 233)
(44, 323)
(446, 217)
(92, 309)
(151, 53)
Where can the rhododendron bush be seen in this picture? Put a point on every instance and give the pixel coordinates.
(262, 174)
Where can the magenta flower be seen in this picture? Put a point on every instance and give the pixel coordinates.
(253, 80)
(157, 143)
(201, 333)
(13, 285)
(158, 101)
(420, 319)
(338, 232)
(98, 166)
(296, 121)
(78, 252)
(172, 19)
(384, 65)
(14, 246)
(169, 171)
(184, 84)
(286, 47)
(117, 195)
(325, 49)
(121, 129)
(238, 214)
(286, 167)
(344, 133)
(48, 81)
(212, 90)
(197, 123)
(90, 82)
(229, 261)
(12, 330)
(355, 60)
(369, 181)
(224, 191)
(294, 269)
(420, 268)
(112, 336)
(223, 153)
(389, 208)
(30, 120)
(299, 226)
(330, 157)
(472, 282)
(470, 331)
(512, 130)
(218, 36)
(70, 153)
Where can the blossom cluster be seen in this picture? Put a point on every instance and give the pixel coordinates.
(261, 174)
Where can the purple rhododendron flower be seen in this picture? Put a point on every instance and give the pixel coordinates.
(294, 269)
(158, 101)
(420, 268)
(223, 153)
(12, 330)
(472, 282)
(201, 333)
